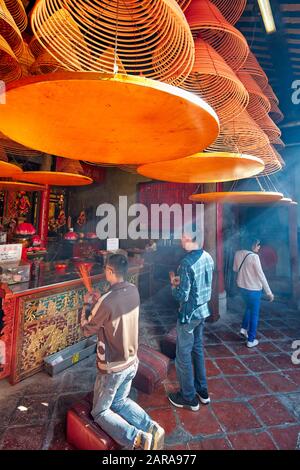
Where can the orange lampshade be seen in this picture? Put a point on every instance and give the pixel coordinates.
(270, 128)
(145, 120)
(208, 22)
(238, 197)
(204, 168)
(55, 178)
(143, 34)
(10, 31)
(17, 11)
(259, 105)
(252, 67)
(214, 81)
(10, 68)
(7, 169)
(242, 134)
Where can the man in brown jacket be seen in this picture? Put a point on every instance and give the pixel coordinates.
(114, 318)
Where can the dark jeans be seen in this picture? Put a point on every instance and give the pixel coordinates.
(250, 321)
(190, 364)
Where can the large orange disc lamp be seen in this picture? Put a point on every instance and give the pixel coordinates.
(204, 168)
(237, 197)
(107, 118)
(19, 186)
(80, 34)
(55, 178)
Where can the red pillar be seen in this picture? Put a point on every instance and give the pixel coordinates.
(220, 256)
(44, 216)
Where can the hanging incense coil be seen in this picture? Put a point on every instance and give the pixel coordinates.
(269, 92)
(214, 81)
(232, 10)
(17, 11)
(44, 64)
(10, 31)
(275, 113)
(10, 68)
(242, 134)
(252, 67)
(271, 158)
(183, 4)
(26, 60)
(143, 34)
(278, 143)
(70, 166)
(259, 105)
(3, 156)
(207, 22)
(270, 128)
(13, 148)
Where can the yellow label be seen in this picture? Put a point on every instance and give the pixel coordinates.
(75, 358)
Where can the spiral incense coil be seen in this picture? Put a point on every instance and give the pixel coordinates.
(10, 31)
(17, 11)
(26, 61)
(270, 128)
(232, 10)
(214, 81)
(13, 148)
(278, 143)
(271, 158)
(268, 91)
(276, 113)
(183, 4)
(259, 105)
(207, 21)
(10, 68)
(67, 165)
(45, 63)
(252, 67)
(240, 135)
(143, 34)
(3, 156)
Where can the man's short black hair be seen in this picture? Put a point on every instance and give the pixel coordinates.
(119, 264)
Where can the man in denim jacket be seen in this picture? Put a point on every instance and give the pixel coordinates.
(192, 288)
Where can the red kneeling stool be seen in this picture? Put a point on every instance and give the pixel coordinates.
(153, 369)
(168, 343)
(83, 433)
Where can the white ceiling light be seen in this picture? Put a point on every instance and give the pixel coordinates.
(267, 15)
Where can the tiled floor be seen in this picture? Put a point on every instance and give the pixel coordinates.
(255, 392)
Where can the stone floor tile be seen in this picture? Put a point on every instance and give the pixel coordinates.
(166, 418)
(219, 389)
(271, 411)
(258, 364)
(231, 366)
(157, 399)
(286, 437)
(210, 444)
(252, 441)
(218, 350)
(277, 382)
(199, 423)
(23, 438)
(235, 416)
(247, 385)
(39, 410)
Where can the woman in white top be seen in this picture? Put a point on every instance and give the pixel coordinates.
(251, 280)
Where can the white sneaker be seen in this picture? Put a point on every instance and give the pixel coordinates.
(253, 343)
(143, 441)
(158, 436)
(244, 332)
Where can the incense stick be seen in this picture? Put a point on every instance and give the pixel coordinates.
(84, 274)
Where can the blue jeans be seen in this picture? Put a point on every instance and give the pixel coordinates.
(119, 416)
(190, 364)
(251, 316)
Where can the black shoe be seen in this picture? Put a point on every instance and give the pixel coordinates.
(177, 400)
(203, 396)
